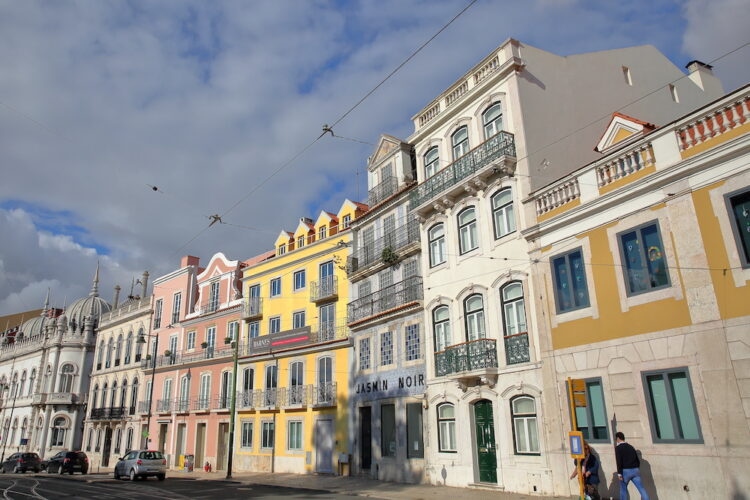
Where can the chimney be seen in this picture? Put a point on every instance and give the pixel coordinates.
(189, 260)
(703, 76)
(144, 282)
(117, 297)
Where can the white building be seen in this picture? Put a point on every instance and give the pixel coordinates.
(387, 379)
(514, 122)
(44, 375)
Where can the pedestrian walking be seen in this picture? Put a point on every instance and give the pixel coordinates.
(628, 468)
(590, 469)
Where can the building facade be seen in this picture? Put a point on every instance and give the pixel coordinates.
(642, 261)
(44, 375)
(292, 413)
(385, 317)
(514, 120)
(113, 424)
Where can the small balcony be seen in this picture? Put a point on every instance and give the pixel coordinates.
(382, 191)
(182, 405)
(295, 397)
(252, 308)
(463, 359)
(201, 404)
(62, 398)
(39, 399)
(325, 290)
(399, 242)
(109, 413)
(164, 406)
(222, 403)
(517, 348)
(496, 154)
(184, 357)
(144, 407)
(390, 297)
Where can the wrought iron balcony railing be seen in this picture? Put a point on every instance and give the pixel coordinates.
(252, 308)
(182, 405)
(324, 394)
(371, 253)
(198, 354)
(382, 191)
(109, 413)
(201, 403)
(398, 294)
(517, 348)
(143, 406)
(298, 396)
(325, 289)
(164, 406)
(500, 144)
(469, 356)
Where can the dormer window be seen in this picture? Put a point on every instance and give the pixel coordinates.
(460, 142)
(281, 250)
(300, 241)
(322, 232)
(347, 221)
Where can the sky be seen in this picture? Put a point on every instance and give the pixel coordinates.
(99, 100)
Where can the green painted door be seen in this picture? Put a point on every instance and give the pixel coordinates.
(485, 431)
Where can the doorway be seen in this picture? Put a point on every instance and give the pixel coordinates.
(162, 437)
(324, 446)
(365, 437)
(107, 446)
(221, 459)
(485, 441)
(180, 443)
(200, 443)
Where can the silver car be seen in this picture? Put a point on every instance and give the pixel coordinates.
(141, 464)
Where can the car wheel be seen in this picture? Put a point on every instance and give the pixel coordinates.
(133, 476)
(16, 470)
(60, 470)
(161, 477)
(117, 476)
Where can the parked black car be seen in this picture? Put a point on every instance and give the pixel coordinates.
(22, 462)
(67, 461)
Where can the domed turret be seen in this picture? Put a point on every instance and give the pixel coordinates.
(35, 326)
(93, 306)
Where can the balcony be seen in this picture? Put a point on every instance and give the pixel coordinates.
(181, 405)
(382, 191)
(472, 356)
(164, 406)
(325, 290)
(252, 308)
(324, 394)
(110, 413)
(201, 403)
(498, 153)
(62, 398)
(370, 254)
(144, 407)
(390, 297)
(517, 348)
(222, 403)
(184, 357)
(295, 397)
(39, 399)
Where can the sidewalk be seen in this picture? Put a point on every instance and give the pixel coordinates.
(361, 486)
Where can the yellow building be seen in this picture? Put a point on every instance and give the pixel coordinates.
(292, 409)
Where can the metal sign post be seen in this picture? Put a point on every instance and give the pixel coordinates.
(577, 398)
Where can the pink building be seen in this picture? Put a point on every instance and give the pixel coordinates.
(196, 315)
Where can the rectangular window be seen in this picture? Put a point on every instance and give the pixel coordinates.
(157, 313)
(274, 324)
(190, 340)
(294, 436)
(364, 354)
(385, 278)
(233, 330)
(414, 431)
(388, 430)
(411, 268)
(253, 329)
(211, 336)
(644, 262)
(386, 348)
(268, 435)
(364, 289)
(176, 303)
(347, 221)
(275, 287)
(671, 407)
(569, 277)
(413, 344)
(282, 250)
(298, 319)
(592, 419)
(299, 280)
(213, 299)
(739, 206)
(247, 435)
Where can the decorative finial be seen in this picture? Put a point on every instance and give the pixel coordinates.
(132, 284)
(46, 304)
(95, 286)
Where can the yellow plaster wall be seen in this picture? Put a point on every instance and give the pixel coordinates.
(557, 211)
(627, 179)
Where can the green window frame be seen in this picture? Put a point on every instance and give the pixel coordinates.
(388, 430)
(294, 435)
(569, 281)
(672, 413)
(592, 420)
(414, 438)
(246, 435)
(738, 205)
(268, 435)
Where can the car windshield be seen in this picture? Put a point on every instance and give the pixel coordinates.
(151, 455)
(29, 456)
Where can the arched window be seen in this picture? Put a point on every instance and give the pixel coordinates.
(204, 391)
(248, 376)
(502, 213)
(90, 439)
(138, 346)
(436, 235)
(108, 359)
(431, 162)
(296, 383)
(32, 379)
(474, 313)
(129, 440)
(95, 397)
(13, 432)
(124, 394)
(225, 394)
(325, 380)
(441, 327)
(460, 142)
(467, 230)
(492, 120)
(300, 241)
(271, 384)
(22, 387)
(128, 348)
(133, 396)
(104, 397)
(14, 386)
(25, 429)
(118, 350)
(514, 323)
(523, 409)
(446, 413)
(113, 396)
(184, 402)
(66, 378)
(100, 356)
(48, 380)
(59, 425)
(118, 440)
(98, 440)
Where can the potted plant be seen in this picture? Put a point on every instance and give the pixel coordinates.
(204, 345)
(227, 340)
(389, 256)
(167, 353)
(148, 356)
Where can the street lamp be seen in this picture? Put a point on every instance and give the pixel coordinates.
(235, 345)
(142, 340)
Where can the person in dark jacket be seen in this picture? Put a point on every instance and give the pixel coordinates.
(628, 468)
(590, 468)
